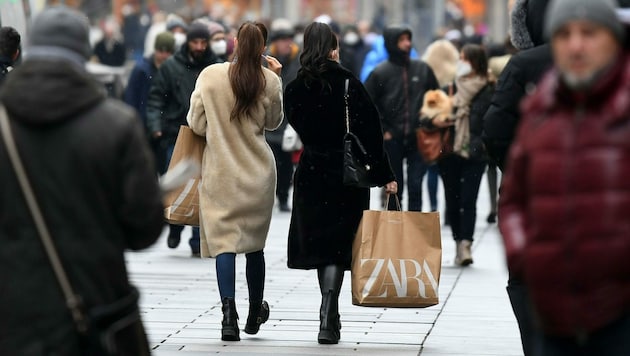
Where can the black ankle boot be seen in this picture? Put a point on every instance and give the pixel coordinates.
(229, 330)
(329, 320)
(258, 314)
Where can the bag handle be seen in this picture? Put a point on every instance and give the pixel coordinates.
(397, 202)
(345, 99)
(73, 300)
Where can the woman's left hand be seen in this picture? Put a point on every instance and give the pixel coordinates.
(391, 187)
(274, 64)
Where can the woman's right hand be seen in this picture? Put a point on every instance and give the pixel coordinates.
(391, 187)
(274, 64)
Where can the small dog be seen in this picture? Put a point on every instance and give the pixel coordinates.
(436, 104)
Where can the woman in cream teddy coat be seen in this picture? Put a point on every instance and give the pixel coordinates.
(232, 106)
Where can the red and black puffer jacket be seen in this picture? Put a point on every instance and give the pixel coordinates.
(565, 203)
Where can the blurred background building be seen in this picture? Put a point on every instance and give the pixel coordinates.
(428, 18)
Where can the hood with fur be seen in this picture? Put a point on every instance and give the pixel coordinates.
(527, 23)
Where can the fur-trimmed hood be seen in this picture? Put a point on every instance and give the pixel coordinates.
(527, 23)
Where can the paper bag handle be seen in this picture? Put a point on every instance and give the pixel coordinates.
(397, 202)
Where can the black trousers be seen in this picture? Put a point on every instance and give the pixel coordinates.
(461, 178)
(284, 167)
(521, 306)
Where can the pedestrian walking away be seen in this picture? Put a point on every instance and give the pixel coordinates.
(92, 174)
(326, 213)
(232, 106)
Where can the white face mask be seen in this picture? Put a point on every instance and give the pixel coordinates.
(219, 47)
(180, 39)
(463, 68)
(351, 38)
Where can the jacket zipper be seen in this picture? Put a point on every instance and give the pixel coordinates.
(406, 114)
(572, 238)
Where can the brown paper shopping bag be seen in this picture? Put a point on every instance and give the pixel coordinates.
(397, 259)
(181, 206)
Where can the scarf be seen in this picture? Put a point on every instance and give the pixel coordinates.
(467, 88)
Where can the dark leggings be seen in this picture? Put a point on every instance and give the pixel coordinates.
(461, 178)
(254, 272)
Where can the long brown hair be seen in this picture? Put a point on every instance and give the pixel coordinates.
(246, 73)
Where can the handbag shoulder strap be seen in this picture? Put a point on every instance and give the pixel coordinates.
(345, 99)
(73, 301)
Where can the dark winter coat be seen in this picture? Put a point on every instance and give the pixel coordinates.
(397, 87)
(116, 57)
(519, 77)
(352, 56)
(565, 200)
(169, 97)
(137, 92)
(326, 214)
(93, 175)
(478, 106)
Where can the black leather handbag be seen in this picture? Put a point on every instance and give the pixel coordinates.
(357, 171)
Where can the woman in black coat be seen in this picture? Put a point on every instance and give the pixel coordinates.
(326, 214)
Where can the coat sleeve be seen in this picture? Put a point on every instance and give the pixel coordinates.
(132, 96)
(513, 204)
(374, 86)
(274, 114)
(366, 124)
(501, 118)
(196, 116)
(159, 94)
(141, 212)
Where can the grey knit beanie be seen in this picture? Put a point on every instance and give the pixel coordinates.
(601, 12)
(60, 32)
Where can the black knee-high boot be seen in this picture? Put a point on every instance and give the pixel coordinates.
(229, 330)
(330, 280)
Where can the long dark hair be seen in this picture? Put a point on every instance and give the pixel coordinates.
(246, 73)
(319, 40)
(476, 56)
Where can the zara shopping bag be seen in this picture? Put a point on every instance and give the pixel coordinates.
(181, 206)
(397, 259)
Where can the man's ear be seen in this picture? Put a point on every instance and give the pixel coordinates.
(16, 55)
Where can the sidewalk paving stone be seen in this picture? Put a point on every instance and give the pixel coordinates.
(182, 312)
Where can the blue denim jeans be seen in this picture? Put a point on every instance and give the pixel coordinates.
(194, 241)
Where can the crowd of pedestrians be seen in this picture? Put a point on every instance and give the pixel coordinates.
(552, 116)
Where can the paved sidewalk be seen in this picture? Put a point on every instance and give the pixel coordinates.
(182, 312)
